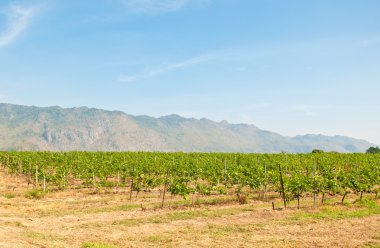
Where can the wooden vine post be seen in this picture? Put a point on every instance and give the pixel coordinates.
(36, 176)
(20, 167)
(118, 178)
(30, 175)
(131, 190)
(314, 187)
(265, 180)
(44, 183)
(282, 185)
(165, 186)
(225, 173)
(93, 179)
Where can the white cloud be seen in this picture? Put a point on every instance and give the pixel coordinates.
(150, 72)
(189, 62)
(19, 18)
(127, 78)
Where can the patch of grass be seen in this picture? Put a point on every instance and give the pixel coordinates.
(185, 215)
(35, 235)
(180, 215)
(14, 223)
(359, 209)
(35, 194)
(371, 244)
(127, 207)
(158, 239)
(9, 195)
(215, 201)
(90, 244)
(112, 209)
(199, 201)
(226, 234)
(129, 222)
(220, 231)
(88, 201)
(41, 236)
(368, 203)
(86, 209)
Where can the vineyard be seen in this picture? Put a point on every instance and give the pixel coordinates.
(292, 176)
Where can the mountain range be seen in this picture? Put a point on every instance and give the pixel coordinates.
(90, 129)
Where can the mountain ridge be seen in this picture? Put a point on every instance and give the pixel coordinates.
(83, 128)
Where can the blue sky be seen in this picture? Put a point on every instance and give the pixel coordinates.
(289, 66)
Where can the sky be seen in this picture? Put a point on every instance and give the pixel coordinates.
(289, 66)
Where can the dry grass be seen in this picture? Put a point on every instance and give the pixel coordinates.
(79, 218)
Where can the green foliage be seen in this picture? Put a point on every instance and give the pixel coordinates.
(317, 151)
(199, 173)
(180, 187)
(373, 150)
(297, 185)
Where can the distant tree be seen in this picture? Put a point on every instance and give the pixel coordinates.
(373, 150)
(317, 151)
(334, 152)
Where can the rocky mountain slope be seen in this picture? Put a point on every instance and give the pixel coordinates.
(55, 128)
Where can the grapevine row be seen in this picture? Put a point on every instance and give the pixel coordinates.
(292, 175)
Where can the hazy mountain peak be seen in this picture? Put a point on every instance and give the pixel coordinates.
(83, 128)
(224, 122)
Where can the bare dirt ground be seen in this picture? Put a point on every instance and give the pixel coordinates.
(84, 218)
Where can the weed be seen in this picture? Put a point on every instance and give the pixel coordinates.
(91, 244)
(242, 199)
(358, 209)
(9, 195)
(35, 194)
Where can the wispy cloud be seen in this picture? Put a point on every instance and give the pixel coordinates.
(311, 110)
(19, 18)
(153, 71)
(244, 55)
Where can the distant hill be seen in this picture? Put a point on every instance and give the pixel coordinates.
(63, 129)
